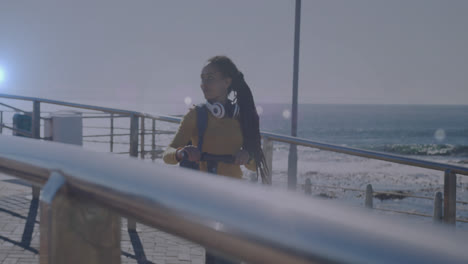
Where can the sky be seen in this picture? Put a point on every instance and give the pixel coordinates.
(149, 51)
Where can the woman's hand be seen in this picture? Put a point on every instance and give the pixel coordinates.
(242, 157)
(192, 152)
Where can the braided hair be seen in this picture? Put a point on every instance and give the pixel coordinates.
(249, 119)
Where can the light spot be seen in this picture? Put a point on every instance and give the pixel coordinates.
(188, 100)
(439, 135)
(286, 114)
(259, 110)
(2, 75)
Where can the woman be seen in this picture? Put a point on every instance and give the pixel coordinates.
(232, 130)
(235, 133)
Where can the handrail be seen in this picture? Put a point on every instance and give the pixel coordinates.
(253, 223)
(16, 109)
(277, 137)
(348, 150)
(91, 107)
(367, 153)
(166, 118)
(19, 131)
(82, 106)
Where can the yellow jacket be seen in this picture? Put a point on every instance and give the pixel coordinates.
(222, 137)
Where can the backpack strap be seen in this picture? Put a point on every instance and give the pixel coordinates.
(202, 122)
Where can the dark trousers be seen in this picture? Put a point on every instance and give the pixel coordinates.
(215, 259)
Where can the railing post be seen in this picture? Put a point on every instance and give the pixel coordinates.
(153, 141)
(131, 224)
(437, 215)
(36, 120)
(292, 167)
(308, 187)
(142, 140)
(1, 122)
(450, 195)
(112, 133)
(268, 152)
(369, 197)
(134, 136)
(36, 133)
(73, 230)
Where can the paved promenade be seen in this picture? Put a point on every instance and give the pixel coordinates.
(19, 233)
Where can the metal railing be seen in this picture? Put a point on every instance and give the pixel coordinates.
(137, 124)
(437, 214)
(254, 223)
(450, 171)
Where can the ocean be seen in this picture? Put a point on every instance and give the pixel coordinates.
(422, 130)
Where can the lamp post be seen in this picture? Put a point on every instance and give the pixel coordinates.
(292, 159)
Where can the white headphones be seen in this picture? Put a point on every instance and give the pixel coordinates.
(218, 110)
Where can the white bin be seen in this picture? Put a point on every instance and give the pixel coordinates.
(64, 127)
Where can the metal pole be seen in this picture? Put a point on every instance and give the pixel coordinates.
(308, 187)
(142, 140)
(437, 214)
(268, 152)
(1, 122)
(292, 160)
(36, 120)
(369, 196)
(450, 195)
(36, 133)
(153, 141)
(131, 223)
(134, 136)
(112, 133)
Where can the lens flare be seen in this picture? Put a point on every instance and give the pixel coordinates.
(259, 110)
(2, 75)
(188, 100)
(439, 135)
(286, 114)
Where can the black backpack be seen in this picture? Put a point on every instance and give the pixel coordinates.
(202, 120)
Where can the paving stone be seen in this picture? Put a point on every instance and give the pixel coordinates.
(16, 247)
